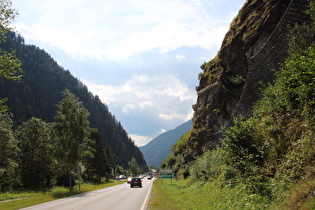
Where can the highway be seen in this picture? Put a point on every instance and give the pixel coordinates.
(118, 197)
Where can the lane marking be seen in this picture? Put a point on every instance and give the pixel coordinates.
(147, 198)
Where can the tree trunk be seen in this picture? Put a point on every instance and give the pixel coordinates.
(79, 174)
(70, 179)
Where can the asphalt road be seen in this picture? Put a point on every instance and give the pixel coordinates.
(120, 197)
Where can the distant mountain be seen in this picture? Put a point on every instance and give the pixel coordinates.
(40, 90)
(160, 147)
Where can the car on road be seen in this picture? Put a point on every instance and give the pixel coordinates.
(129, 180)
(135, 182)
(122, 177)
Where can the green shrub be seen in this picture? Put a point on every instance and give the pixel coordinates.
(208, 166)
(242, 145)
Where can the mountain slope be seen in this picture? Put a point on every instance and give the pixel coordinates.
(160, 147)
(254, 46)
(40, 89)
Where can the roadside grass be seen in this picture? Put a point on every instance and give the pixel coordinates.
(11, 201)
(185, 194)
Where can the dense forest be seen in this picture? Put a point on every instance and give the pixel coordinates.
(40, 88)
(270, 152)
(53, 130)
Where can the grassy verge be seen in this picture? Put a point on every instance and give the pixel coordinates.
(185, 194)
(10, 201)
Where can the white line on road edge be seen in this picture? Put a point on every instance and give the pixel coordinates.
(147, 198)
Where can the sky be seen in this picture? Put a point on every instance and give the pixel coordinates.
(141, 57)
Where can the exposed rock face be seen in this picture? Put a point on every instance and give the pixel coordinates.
(253, 47)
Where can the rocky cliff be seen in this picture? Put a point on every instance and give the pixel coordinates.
(230, 83)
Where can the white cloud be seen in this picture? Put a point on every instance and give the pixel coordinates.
(180, 57)
(197, 2)
(163, 96)
(163, 130)
(145, 104)
(128, 108)
(166, 117)
(117, 30)
(141, 53)
(168, 36)
(140, 140)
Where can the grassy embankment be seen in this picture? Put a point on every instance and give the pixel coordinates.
(186, 194)
(10, 201)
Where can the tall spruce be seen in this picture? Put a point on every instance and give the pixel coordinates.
(96, 163)
(72, 129)
(110, 159)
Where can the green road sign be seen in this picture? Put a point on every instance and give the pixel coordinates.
(166, 174)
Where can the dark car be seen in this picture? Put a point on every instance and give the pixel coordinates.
(135, 182)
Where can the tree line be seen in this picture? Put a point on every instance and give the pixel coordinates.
(40, 88)
(47, 136)
(40, 155)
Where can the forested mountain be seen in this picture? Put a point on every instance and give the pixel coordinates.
(160, 147)
(40, 89)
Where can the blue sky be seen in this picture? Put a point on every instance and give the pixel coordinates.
(142, 58)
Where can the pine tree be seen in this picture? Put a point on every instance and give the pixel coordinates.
(96, 163)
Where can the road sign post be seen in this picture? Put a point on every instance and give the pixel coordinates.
(167, 174)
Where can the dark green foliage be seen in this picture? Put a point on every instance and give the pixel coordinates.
(36, 161)
(8, 154)
(9, 67)
(101, 162)
(110, 161)
(298, 78)
(241, 145)
(208, 166)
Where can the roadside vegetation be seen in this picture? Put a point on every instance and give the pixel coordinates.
(265, 161)
(190, 194)
(40, 160)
